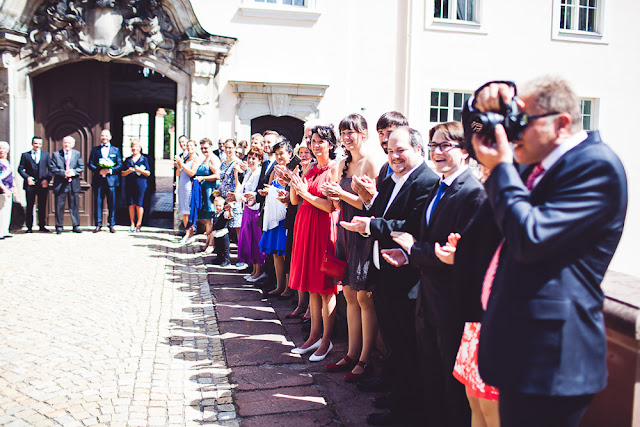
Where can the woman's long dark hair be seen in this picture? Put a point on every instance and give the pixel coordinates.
(356, 123)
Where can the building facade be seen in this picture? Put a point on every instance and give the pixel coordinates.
(232, 67)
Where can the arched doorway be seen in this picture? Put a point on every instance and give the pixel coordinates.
(82, 98)
(290, 127)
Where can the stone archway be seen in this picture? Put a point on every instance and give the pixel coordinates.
(163, 35)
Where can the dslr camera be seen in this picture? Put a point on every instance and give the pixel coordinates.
(484, 123)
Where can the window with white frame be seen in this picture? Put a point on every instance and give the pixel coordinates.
(297, 10)
(587, 108)
(579, 15)
(446, 106)
(456, 10)
(135, 126)
(284, 2)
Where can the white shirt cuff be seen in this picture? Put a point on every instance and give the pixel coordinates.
(367, 228)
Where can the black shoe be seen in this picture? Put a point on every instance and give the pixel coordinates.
(386, 418)
(97, 229)
(58, 230)
(375, 385)
(112, 229)
(44, 230)
(76, 229)
(383, 402)
(29, 230)
(226, 263)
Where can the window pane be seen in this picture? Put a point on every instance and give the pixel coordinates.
(434, 99)
(444, 99)
(586, 123)
(464, 10)
(457, 115)
(457, 100)
(433, 115)
(445, 9)
(443, 115)
(582, 19)
(591, 20)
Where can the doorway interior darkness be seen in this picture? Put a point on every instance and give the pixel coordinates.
(82, 98)
(290, 127)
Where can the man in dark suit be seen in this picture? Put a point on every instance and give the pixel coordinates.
(543, 340)
(34, 168)
(402, 196)
(66, 166)
(106, 162)
(440, 313)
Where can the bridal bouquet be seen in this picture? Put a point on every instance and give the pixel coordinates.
(106, 163)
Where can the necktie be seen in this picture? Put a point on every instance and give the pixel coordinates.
(67, 159)
(535, 173)
(487, 283)
(441, 189)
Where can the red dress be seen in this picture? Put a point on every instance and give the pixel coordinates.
(313, 233)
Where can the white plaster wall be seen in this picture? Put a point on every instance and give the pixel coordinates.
(518, 46)
(351, 48)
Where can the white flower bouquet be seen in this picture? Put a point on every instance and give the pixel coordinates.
(106, 163)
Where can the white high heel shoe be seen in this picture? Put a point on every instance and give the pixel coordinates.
(312, 347)
(315, 358)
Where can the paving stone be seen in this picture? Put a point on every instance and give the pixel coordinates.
(317, 418)
(268, 376)
(257, 310)
(235, 293)
(280, 400)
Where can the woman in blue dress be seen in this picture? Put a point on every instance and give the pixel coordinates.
(208, 173)
(274, 236)
(136, 171)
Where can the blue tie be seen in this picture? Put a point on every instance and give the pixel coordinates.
(441, 189)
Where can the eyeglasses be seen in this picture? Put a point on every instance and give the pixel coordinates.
(444, 147)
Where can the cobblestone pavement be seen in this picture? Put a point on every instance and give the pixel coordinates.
(111, 329)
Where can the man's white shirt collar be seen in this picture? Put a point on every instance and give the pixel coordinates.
(563, 148)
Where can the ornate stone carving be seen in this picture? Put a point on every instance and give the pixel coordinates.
(102, 29)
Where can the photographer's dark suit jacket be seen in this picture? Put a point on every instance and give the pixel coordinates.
(391, 285)
(543, 332)
(439, 312)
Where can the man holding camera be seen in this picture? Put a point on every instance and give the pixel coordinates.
(543, 338)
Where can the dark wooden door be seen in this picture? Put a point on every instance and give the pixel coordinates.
(73, 100)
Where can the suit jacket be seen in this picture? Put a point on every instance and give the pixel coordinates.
(452, 214)
(57, 166)
(543, 331)
(28, 168)
(407, 205)
(112, 179)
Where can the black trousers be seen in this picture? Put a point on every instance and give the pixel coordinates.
(72, 198)
(33, 192)
(438, 333)
(530, 410)
(222, 248)
(396, 320)
(101, 191)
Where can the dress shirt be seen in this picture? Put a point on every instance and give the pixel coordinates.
(35, 155)
(448, 181)
(104, 150)
(560, 151)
